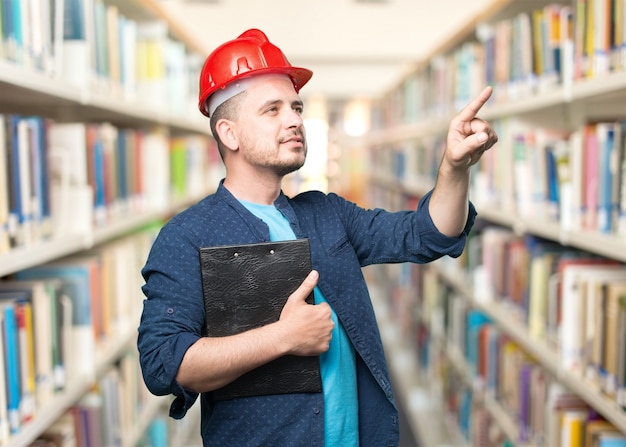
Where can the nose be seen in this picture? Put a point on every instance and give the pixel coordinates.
(293, 119)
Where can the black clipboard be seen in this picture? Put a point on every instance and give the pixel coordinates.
(245, 287)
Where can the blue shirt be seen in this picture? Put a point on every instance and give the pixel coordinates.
(343, 238)
(337, 365)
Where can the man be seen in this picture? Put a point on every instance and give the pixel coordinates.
(250, 92)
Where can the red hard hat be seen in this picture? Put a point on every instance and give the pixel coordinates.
(249, 54)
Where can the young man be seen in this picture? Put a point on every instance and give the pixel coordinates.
(250, 92)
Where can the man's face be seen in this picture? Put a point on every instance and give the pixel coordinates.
(270, 127)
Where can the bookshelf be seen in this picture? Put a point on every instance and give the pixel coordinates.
(438, 312)
(100, 142)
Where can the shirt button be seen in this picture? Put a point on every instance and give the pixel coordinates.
(316, 410)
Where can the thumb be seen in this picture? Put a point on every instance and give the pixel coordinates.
(472, 148)
(481, 138)
(470, 143)
(307, 286)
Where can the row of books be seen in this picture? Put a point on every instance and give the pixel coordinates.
(28, 30)
(107, 415)
(535, 50)
(484, 371)
(59, 178)
(573, 301)
(543, 413)
(483, 390)
(95, 45)
(496, 393)
(577, 179)
(55, 318)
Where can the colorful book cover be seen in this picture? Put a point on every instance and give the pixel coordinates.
(4, 416)
(40, 174)
(524, 410)
(77, 287)
(590, 178)
(74, 20)
(12, 363)
(42, 298)
(573, 328)
(24, 316)
(606, 174)
(614, 336)
(5, 192)
(474, 321)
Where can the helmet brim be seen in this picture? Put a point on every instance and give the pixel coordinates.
(298, 75)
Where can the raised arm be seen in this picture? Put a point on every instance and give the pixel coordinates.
(468, 138)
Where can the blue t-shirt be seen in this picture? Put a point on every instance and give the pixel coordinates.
(338, 364)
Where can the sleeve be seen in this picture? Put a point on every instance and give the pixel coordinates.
(379, 236)
(173, 315)
(438, 242)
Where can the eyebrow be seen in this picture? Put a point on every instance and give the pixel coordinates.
(274, 102)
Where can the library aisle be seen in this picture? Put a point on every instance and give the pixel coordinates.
(519, 342)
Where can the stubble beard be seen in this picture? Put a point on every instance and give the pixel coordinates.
(271, 159)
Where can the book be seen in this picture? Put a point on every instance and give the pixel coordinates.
(71, 198)
(4, 189)
(614, 337)
(38, 133)
(77, 277)
(572, 428)
(590, 177)
(12, 364)
(574, 323)
(607, 168)
(20, 176)
(245, 287)
(475, 321)
(621, 352)
(573, 211)
(42, 296)
(4, 416)
(128, 57)
(526, 397)
(540, 380)
(74, 54)
(24, 317)
(595, 323)
(541, 266)
(596, 428)
(611, 440)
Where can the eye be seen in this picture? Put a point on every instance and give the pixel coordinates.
(299, 109)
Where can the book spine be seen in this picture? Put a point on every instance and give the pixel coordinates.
(5, 192)
(23, 313)
(12, 364)
(5, 428)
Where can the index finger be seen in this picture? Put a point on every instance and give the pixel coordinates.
(471, 110)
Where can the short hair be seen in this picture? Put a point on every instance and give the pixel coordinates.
(227, 110)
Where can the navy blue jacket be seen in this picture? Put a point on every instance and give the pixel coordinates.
(344, 238)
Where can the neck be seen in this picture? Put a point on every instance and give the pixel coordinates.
(255, 189)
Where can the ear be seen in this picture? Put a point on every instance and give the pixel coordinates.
(226, 130)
